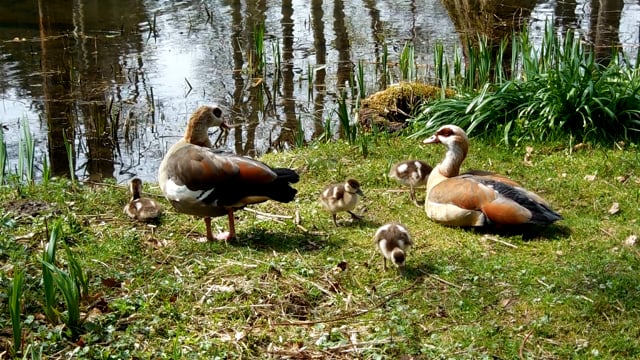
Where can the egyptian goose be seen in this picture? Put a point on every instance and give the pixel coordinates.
(412, 173)
(393, 241)
(341, 197)
(198, 180)
(477, 198)
(140, 208)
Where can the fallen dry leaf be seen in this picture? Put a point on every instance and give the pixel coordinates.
(614, 209)
(622, 179)
(580, 146)
(631, 240)
(527, 156)
(590, 177)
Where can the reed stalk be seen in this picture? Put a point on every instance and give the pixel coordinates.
(258, 44)
(26, 156)
(299, 135)
(75, 271)
(15, 295)
(407, 62)
(347, 129)
(49, 256)
(69, 148)
(3, 157)
(361, 84)
(386, 76)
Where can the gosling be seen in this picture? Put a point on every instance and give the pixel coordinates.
(140, 208)
(393, 241)
(413, 173)
(341, 197)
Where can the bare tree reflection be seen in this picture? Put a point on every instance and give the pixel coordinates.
(343, 47)
(288, 100)
(56, 85)
(492, 18)
(603, 32)
(243, 37)
(378, 40)
(320, 47)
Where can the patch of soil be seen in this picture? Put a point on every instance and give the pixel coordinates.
(28, 207)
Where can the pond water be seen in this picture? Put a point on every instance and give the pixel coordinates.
(118, 79)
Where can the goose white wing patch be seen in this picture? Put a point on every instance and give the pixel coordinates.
(178, 193)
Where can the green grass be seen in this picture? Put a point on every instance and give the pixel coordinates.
(313, 290)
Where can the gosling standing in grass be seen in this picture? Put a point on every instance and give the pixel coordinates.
(139, 208)
(341, 197)
(393, 241)
(413, 173)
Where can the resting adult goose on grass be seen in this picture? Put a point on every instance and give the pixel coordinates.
(478, 198)
(201, 181)
(413, 173)
(341, 197)
(141, 208)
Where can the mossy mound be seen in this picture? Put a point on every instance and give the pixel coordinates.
(389, 109)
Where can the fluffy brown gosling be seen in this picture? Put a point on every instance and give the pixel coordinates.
(341, 197)
(393, 241)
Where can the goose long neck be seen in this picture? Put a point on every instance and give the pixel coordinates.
(197, 132)
(450, 166)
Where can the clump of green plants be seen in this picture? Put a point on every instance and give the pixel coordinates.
(72, 284)
(550, 92)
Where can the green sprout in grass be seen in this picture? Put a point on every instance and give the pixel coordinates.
(71, 293)
(49, 257)
(15, 294)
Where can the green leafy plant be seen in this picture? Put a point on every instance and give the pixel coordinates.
(408, 62)
(348, 130)
(549, 93)
(69, 148)
(15, 295)
(76, 273)
(26, 154)
(362, 88)
(49, 257)
(69, 287)
(257, 63)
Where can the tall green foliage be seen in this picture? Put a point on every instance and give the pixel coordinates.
(550, 91)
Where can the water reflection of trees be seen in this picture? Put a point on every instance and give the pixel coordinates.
(79, 64)
(76, 70)
(498, 19)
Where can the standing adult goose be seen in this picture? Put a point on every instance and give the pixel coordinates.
(341, 197)
(141, 208)
(413, 173)
(478, 198)
(200, 181)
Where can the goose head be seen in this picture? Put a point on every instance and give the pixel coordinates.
(457, 143)
(201, 120)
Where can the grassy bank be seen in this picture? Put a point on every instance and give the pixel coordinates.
(310, 290)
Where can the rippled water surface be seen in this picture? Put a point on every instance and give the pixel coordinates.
(120, 77)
